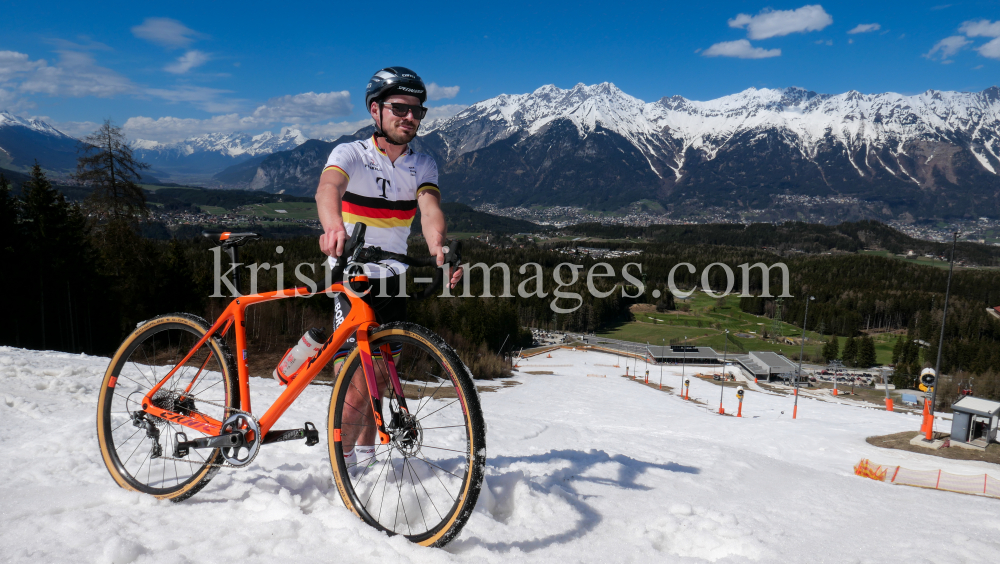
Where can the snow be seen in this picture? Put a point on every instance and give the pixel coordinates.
(580, 469)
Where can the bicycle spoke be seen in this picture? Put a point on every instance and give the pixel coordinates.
(436, 410)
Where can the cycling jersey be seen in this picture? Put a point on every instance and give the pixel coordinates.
(382, 195)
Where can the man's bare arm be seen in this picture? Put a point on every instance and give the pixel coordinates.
(434, 228)
(332, 185)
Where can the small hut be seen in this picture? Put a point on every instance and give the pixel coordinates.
(975, 421)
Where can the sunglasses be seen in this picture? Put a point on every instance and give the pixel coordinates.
(400, 110)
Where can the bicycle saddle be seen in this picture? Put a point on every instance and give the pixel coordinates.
(227, 239)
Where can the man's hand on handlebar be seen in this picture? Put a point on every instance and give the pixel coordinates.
(332, 241)
(456, 275)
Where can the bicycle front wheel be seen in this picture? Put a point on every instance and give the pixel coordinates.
(425, 482)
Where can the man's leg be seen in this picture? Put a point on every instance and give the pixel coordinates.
(358, 425)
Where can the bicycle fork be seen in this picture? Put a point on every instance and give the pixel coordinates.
(372, 380)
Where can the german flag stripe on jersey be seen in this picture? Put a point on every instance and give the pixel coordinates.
(338, 169)
(428, 186)
(376, 212)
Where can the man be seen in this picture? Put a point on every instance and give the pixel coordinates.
(381, 181)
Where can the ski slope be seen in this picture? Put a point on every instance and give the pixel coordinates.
(580, 469)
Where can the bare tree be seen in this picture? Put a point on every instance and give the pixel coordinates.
(108, 166)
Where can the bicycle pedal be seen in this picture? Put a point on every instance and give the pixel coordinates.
(182, 447)
(312, 435)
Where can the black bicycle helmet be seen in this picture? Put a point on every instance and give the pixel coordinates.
(394, 80)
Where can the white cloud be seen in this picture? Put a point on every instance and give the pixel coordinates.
(981, 28)
(444, 112)
(186, 62)
(78, 129)
(76, 75)
(865, 28)
(166, 32)
(307, 107)
(435, 92)
(947, 47)
(171, 129)
(14, 64)
(304, 108)
(774, 23)
(333, 130)
(991, 49)
(741, 49)
(207, 99)
(13, 102)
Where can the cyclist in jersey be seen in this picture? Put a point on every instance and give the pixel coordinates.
(381, 181)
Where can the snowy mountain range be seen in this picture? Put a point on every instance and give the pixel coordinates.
(207, 154)
(930, 154)
(664, 130)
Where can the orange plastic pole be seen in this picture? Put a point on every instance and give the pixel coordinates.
(795, 410)
(739, 410)
(928, 426)
(888, 404)
(721, 410)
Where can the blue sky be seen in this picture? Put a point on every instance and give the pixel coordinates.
(169, 72)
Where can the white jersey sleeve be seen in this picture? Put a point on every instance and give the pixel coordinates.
(345, 159)
(427, 176)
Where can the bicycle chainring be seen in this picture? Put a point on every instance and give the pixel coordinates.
(242, 455)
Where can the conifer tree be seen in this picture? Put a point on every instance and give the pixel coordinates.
(866, 352)
(109, 167)
(831, 350)
(850, 353)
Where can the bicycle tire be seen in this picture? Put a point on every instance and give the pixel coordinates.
(424, 358)
(127, 379)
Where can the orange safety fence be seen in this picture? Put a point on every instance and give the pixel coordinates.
(979, 484)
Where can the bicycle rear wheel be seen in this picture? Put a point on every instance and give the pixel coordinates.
(138, 449)
(425, 482)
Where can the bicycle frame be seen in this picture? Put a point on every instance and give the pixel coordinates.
(360, 319)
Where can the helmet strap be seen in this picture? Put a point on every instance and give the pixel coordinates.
(378, 126)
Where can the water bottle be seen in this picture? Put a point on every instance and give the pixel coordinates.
(308, 346)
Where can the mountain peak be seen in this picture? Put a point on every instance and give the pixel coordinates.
(8, 119)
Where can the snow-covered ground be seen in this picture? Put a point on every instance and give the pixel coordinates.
(581, 469)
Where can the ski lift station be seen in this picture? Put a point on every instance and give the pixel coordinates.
(760, 365)
(974, 422)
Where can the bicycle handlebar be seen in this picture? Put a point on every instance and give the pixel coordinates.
(355, 252)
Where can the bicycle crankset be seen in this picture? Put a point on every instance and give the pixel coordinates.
(244, 453)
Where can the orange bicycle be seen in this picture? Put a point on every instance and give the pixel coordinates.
(174, 407)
